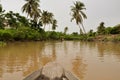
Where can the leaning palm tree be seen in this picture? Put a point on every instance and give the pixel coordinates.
(54, 24)
(78, 14)
(31, 7)
(46, 18)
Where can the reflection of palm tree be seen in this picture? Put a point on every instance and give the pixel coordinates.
(78, 14)
(45, 58)
(110, 49)
(79, 67)
(65, 47)
(101, 49)
(54, 50)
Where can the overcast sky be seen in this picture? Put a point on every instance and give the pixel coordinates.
(97, 11)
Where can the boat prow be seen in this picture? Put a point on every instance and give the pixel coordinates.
(51, 71)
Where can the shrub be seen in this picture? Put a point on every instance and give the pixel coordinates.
(52, 35)
(6, 35)
(19, 35)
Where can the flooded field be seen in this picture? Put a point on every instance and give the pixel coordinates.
(86, 60)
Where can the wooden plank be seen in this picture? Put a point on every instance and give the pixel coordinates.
(34, 75)
(70, 76)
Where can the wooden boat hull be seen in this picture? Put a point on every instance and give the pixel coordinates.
(51, 71)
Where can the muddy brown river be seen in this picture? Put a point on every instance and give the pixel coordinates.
(86, 60)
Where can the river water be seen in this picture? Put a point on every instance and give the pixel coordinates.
(86, 60)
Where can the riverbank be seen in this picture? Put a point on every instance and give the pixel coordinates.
(28, 34)
(106, 38)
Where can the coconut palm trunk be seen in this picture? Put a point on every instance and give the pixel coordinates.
(44, 27)
(81, 31)
(83, 28)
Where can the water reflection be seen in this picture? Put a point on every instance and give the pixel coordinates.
(109, 49)
(79, 67)
(19, 59)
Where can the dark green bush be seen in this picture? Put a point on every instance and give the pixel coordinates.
(6, 35)
(52, 35)
(19, 35)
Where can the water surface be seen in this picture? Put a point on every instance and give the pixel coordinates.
(87, 60)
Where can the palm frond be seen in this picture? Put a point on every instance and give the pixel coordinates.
(83, 14)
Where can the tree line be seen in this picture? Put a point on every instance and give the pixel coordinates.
(103, 30)
(13, 26)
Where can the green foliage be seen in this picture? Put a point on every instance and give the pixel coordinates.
(91, 33)
(52, 35)
(115, 30)
(1, 23)
(26, 33)
(108, 30)
(15, 20)
(74, 36)
(35, 25)
(75, 33)
(101, 29)
(21, 34)
(71, 37)
(6, 35)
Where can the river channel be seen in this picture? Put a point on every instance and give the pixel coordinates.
(86, 60)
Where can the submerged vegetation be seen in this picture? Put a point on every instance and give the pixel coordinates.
(14, 27)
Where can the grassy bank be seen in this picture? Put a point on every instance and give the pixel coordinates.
(112, 38)
(29, 34)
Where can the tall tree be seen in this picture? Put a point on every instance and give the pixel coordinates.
(46, 18)
(65, 30)
(54, 24)
(78, 14)
(101, 28)
(0, 8)
(2, 18)
(31, 7)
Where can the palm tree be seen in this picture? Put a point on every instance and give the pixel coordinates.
(78, 14)
(54, 24)
(65, 30)
(46, 18)
(31, 7)
(1, 18)
(0, 8)
(101, 28)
